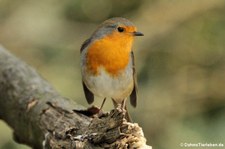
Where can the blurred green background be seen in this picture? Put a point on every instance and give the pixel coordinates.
(180, 61)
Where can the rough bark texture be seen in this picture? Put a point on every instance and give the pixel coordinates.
(41, 118)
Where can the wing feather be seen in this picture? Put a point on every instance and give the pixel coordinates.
(133, 95)
(88, 94)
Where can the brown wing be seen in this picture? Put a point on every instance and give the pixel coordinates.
(85, 44)
(133, 95)
(88, 94)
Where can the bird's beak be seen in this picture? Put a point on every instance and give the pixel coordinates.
(138, 34)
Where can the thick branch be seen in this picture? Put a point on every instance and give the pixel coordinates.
(41, 118)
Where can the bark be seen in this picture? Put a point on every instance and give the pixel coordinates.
(41, 118)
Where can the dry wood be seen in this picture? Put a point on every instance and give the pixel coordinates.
(41, 118)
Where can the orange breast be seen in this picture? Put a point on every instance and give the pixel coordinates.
(111, 52)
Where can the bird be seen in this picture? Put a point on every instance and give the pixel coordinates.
(107, 63)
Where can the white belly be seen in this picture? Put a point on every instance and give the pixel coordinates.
(104, 85)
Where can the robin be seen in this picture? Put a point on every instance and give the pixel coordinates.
(107, 63)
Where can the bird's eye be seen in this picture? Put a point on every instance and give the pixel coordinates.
(120, 29)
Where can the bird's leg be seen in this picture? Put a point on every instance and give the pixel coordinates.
(100, 113)
(102, 103)
(123, 105)
(124, 109)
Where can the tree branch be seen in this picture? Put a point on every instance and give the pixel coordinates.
(41, 118)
